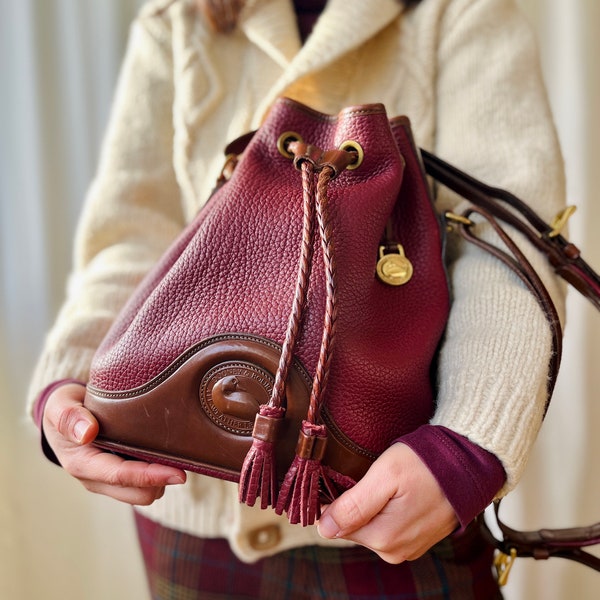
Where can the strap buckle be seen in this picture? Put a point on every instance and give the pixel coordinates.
(453, 218)
(503, 564)
(560, 220)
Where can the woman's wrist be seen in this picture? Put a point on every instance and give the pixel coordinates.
(469, 475)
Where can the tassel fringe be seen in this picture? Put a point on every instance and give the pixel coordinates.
(299, 494)
(258, 476)
(308, 480)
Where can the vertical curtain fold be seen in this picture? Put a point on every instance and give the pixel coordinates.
(58, 62)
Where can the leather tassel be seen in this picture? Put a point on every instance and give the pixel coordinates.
(299, 495)
(258, 476)
(335, 484)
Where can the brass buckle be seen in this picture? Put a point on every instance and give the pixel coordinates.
(560, 220)
(454, 218)
(503, 564)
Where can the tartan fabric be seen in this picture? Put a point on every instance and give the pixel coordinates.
(184, 567)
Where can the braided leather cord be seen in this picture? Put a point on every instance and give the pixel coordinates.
(299, 302)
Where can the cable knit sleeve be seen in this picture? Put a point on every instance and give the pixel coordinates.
(132, 211)
(493, 121)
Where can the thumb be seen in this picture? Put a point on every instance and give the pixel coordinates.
(65, 413)
(357, 506)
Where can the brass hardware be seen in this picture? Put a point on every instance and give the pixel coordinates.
(560, 220)
(454, 218)
(284, 140)
(354, 148)
(394, 268)
(231, 161)
(503, 563)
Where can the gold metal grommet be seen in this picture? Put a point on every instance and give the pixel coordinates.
(231, 161)
(285, 139)
(355, 148)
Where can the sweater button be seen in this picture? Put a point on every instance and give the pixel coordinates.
(265, 538)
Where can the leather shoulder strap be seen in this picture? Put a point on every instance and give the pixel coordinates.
(564, 256)
(496, 206)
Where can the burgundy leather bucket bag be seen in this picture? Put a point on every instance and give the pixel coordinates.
(287, 337)
(289, 334)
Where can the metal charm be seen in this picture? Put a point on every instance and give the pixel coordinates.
(392, 268)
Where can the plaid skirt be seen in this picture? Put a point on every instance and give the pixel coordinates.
(183, 567)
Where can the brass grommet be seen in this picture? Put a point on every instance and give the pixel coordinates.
(284, 140)
(355, 148)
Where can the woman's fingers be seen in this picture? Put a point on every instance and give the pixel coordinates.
(66, 416)
(397, 509)
(70, 428)
(355, 508)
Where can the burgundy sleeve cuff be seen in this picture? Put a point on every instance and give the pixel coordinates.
(38, 414)
(469, 476)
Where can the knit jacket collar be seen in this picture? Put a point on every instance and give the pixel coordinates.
(343, 26)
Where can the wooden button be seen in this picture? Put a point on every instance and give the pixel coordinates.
(265, 538)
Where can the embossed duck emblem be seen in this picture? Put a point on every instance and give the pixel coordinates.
(231, 397)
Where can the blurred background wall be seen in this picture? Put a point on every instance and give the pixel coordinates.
(58, 64)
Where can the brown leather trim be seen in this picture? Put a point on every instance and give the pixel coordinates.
(168, 421)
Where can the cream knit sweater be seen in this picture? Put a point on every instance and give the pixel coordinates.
(465, 72)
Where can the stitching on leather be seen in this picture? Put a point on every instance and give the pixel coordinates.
(343, 439)
(181, 359)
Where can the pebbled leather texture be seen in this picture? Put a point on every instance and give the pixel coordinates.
(225, 290)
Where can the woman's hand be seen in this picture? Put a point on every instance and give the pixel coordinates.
(397, 509)
(70, 428)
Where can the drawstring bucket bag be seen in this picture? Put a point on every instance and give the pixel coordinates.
(287, 337)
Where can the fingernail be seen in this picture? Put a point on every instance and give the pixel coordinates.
(174, 480)
(327, 527)
(80, 429)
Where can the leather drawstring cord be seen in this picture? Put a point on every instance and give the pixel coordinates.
(299, 494)
(306, 477)
(258, 475)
